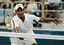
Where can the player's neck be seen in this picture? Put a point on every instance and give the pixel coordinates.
(22, 18)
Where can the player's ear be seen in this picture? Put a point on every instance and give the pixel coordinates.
(15, 11)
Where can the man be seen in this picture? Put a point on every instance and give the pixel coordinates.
(32, 7)
(23, 22)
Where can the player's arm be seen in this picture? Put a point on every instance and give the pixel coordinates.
(17, 29)
(44, 19)
(55, 20)
(14, 26)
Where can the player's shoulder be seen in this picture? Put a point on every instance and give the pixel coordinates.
(28, 14)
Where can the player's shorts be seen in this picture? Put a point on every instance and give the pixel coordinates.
(26, 41)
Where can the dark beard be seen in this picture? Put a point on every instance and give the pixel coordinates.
(21, 16)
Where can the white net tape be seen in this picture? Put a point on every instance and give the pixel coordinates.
(27, 35)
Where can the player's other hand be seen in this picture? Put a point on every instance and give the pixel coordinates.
(57, 21)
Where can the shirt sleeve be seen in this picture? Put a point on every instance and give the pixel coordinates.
(35, 18)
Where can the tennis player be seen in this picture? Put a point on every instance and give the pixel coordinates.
(23, 23)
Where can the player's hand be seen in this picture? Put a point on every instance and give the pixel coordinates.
(57, 21)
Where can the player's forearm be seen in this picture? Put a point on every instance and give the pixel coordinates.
(43, 19)
(17, 29)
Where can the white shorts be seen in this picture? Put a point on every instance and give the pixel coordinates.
(26, 41)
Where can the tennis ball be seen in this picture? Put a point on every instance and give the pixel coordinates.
(8, 25)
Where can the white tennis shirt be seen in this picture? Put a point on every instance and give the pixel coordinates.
(25, 26)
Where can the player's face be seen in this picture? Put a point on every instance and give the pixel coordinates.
(20, 12)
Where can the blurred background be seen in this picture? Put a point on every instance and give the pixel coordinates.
(40, 8)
